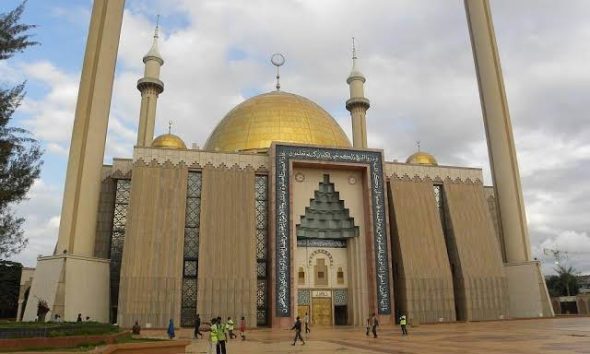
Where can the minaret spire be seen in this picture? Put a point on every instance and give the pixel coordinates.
(358, 104)
(150, 87)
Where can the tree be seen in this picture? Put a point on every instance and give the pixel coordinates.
(10, 273)
(20, 154)
(565, 283)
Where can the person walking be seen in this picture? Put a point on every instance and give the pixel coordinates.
(374, 325)
(213, 336)
(243, 328)
(368, 325)
(403, 322)
(221, 337)
(297, 328)
(170, 330)
(229, 325)
(198, 327)
(306, 321)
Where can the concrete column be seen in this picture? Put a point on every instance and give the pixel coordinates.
(150, 90)
(82, 188)
(499, 135)
(358, 112)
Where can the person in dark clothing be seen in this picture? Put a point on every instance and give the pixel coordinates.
(221, 337)
(79, 319)
(170, 330)
(136, 328)
(297, 328)
(374, 325)
(198, 326)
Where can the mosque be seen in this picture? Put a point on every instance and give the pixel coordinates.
(279, 214)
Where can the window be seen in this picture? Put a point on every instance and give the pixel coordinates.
(321, 272)
(301, 276)
(340, 276)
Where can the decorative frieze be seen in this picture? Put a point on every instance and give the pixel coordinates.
(316, 242)
(199, 159)
(399, 170)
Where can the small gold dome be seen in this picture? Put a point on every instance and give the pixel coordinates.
(168, 141)
(275, 116)
(422, 158)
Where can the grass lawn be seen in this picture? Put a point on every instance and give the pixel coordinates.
(90, 346)
(56, 329)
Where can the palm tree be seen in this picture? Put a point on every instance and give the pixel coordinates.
(567, 279)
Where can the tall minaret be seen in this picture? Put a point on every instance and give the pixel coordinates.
(499, 132)
(150, 87)
(358, 104)
(77, 228)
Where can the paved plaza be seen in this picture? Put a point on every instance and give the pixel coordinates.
(561, 335)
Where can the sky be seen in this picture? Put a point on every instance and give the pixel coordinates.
(420, 74)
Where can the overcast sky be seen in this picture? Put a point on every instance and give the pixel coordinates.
(420, 80)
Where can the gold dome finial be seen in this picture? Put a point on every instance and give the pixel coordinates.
(169, 141)
(421, 158)
(278, 60)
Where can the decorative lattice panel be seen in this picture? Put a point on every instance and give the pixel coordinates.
(261, 205)
(122, 189)
(191, 249)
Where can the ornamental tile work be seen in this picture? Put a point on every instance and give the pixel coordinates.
(303, 297)
(192, 223)
(122, 191)
(326, 217)
(261, 199)
(340, 297)
(321, 243)
(283, 156)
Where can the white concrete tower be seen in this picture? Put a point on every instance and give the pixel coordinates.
(150, 87)
(358, 104)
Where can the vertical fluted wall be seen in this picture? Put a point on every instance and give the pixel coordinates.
(227, 253)
(151, 269)
(422, 276)
(475, 253)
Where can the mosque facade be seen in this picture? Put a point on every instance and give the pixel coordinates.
(279, 214)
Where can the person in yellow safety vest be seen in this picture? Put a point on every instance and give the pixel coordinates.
(229, 325)
(221, 338)
(213, 336)
(403, 323)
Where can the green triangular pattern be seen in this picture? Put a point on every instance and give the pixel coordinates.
(326, 217)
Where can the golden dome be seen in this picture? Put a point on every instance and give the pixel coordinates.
(275, 116)
(168, 141)
(422, 158)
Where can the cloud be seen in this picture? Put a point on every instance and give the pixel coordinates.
(573, 248)
(41, 212)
